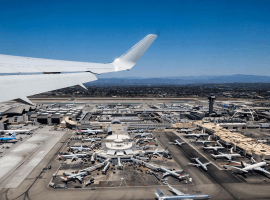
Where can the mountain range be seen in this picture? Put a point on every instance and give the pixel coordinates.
(181, 80)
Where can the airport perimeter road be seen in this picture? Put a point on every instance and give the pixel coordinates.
(232, 185)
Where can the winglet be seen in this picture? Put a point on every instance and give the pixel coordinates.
(130, 58)
(24, 100)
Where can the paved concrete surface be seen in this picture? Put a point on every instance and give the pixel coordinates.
(25, 157)
(35, 185)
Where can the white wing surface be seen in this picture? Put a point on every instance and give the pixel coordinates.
(262, 170)
(56, 74)
(21, 86)
(176, 191)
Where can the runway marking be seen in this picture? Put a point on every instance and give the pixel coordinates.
(217, 166)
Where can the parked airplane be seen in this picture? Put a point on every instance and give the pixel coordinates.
(209, 140)
(142, 134)
(81, 148)
(144, 139)
(47, 75)
(90, 131)
(12, 137)
(157, 152)
(69, 176)
(215, 148)
(14, 131)
(229, 156)
(90, 139)
(175, 174)
(73, 157)
(245, 168)
(196, 134)
(179, 195)
(177, 143)
(187, 130)
(262, 141)
(200, 164)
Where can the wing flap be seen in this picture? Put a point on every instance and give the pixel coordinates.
(20, 86)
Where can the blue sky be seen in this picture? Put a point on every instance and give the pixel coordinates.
(196, 37)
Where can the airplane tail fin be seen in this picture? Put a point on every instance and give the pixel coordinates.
(159, 193)
(130, 58)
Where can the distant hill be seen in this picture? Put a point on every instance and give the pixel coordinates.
(181, 80)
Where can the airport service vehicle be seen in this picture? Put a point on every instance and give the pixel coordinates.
(214, 148)
(246, 168)
(229, 156)
(199, 163)
(81, 148)
(41, 75)
(177, 143)
(12, 137)
(73, 157)
(179, 195)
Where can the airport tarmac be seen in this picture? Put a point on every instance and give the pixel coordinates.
(26, 156)
(35, 185)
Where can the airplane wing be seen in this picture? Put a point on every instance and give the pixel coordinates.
(177, 192)
(159, 193)
(237, 170)
(73, 158)
(262, 170)
(197, 165)
(79, 178)
(47, 75)
(165, 174)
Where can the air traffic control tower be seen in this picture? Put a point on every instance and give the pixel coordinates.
(211, 104)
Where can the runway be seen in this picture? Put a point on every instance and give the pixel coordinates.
(25, 157)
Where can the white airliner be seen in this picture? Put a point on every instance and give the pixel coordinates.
(90, 131)
(69, 176)
(10, 132)
(200, 164)
(157, 152)
(209, 140)
(38, 75)
(143, 134)
(214, 148)
(73, 157)
(196, 134)
(245, 168)
(177, 143)
(90, 139)
(179, 195)
(175, 174)
(229, 156)
(81, 148)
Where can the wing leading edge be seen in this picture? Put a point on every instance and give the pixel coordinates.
(23, 85)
